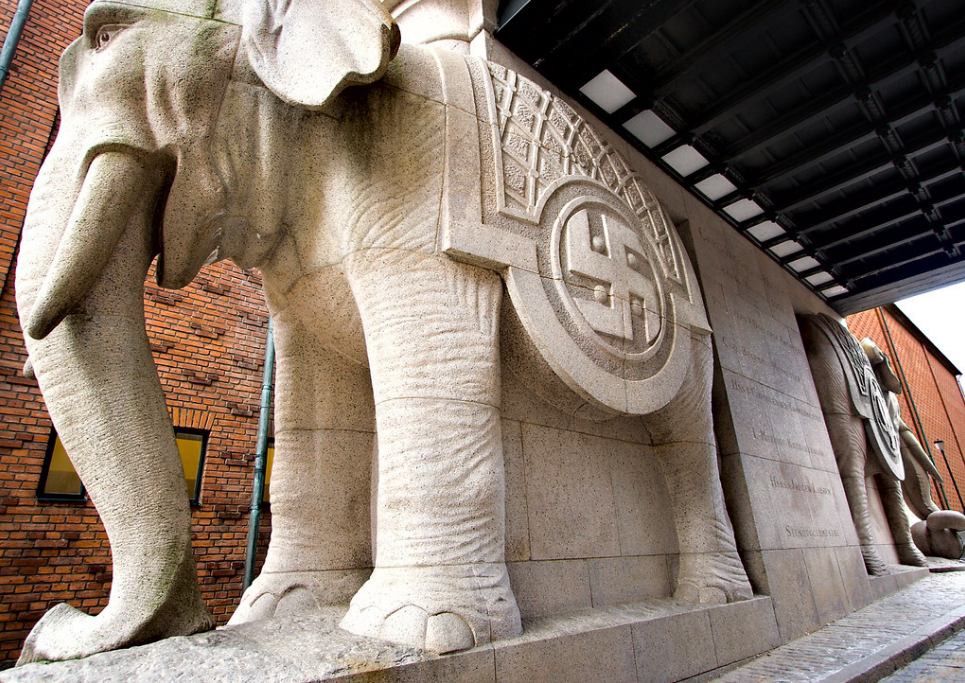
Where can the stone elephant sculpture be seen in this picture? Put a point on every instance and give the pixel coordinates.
(387, 219)
(941, 534)
(856, 387)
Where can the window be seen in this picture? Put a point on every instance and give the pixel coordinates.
(269, 459)
(192, 443)
(59, 480)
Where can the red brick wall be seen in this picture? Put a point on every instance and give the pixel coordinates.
(935, 391)
(208, 341)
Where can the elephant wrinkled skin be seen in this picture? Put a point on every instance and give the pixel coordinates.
(196, 131)
(857, 387)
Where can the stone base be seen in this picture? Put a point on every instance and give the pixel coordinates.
(654, 641)
(899, 576)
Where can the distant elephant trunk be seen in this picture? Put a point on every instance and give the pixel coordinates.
(80, 293)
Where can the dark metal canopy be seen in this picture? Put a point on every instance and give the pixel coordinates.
(828, 132)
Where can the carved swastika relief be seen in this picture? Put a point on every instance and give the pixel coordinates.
(598, 279)
(613, 259)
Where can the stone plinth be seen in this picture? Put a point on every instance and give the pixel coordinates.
(655, 640)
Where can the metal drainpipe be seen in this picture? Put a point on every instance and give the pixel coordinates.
(911, 399)
(13, 38)
(261, 456)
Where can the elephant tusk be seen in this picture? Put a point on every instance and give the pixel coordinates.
(111, 188)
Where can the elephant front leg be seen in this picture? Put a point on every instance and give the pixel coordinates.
(711, 570)
(440, 579)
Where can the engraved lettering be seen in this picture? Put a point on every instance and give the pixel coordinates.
(804, 487)
(806, 532)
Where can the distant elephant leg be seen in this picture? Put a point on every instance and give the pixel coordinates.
(440, 579)
(890, 490)
(917, 484)
(683, 435)
(851, 451)
(320, 550)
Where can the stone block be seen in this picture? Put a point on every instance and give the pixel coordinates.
(618, 580)
(882, 586)
(673, 648)
(554, 587)
(827, 585)
(569, 495)
(605, 654)
(748, 502)
(475, 666)
(517, 515)
(641, 502)
(743, 629)
(854, 576)
(791, 592)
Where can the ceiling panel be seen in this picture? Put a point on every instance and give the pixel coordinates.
(828, 132)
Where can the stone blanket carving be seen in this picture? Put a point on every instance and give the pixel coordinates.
(866, 395)
(594, 268)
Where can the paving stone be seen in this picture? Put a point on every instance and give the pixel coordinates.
(876, 641)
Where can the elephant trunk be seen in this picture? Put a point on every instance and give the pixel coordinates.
(80, 293)
(110, 189)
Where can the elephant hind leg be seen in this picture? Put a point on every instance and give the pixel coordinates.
(440, 580)
(320, 551)
(710, 570)
(851, 452)
(891, 499)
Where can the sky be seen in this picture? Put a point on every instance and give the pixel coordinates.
(940, 314)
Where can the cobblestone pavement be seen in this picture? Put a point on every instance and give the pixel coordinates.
(876, 641)
(944, 664)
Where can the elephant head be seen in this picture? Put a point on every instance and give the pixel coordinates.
(130, 177)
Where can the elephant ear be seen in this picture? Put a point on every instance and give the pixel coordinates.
(307, 51)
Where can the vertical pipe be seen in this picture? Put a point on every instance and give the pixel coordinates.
(911, 399)
(13, 38)
(261, 455)
(940, 445)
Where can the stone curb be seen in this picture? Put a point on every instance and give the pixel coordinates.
(901, 652)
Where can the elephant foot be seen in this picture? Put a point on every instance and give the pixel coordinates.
(712, 579)
(909, 554)
(873, 562)
(282, 594)
(439, 609)
(67, 633)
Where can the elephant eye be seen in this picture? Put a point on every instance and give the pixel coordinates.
(105, 34)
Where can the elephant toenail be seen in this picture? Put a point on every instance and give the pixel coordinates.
(448, 632)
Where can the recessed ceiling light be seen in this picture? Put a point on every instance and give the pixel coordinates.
(818, 279)
(785, 248)
(837, 290)
(715, 187)
(805, 263)
(765, 231)
(685, 160)
(649, 128)
(743, 209)
(607, 91)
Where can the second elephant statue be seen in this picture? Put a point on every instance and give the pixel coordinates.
(857, 389)
(390, 196)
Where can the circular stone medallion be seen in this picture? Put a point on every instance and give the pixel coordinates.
(600, 309)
